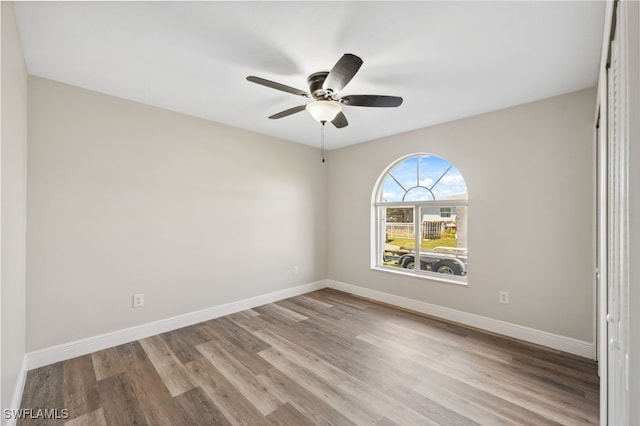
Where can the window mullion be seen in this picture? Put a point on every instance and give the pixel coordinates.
(433, 203)
(417, 234)
(382, 234)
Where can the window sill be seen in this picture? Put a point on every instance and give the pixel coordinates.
(450, 279)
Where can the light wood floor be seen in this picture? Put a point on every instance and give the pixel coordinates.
(321, 358)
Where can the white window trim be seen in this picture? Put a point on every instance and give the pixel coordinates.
(425, 275)
(379, 229)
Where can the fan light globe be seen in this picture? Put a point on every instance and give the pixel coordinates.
(323, 111)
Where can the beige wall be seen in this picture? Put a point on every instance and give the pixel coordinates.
(13, 201)
(528, 171)
(125, 198)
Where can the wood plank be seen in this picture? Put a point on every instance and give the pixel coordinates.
(258, 324)
(305, 402)
(307, 309)
(355, 411)
(155, 400)
(240, 376)
(92, 418)
(230, 401)
(182, 342)
(249, 313)
(107, 363)
(337, 298)
(130, 348)
(249, 323)
(80, 388)
(221, 339)
(287, 415)
(286, 312)
(119, 402)
(172, 371)
(386, 422)
(199, 409)
(310, 300)
(43, 390)
(432, 409)
(246, 340)
(269, 313)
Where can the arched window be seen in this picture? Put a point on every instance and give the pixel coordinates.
(421, 201)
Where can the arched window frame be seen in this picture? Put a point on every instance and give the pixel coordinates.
(379, 223)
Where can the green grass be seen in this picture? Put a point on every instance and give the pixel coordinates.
(426, 244)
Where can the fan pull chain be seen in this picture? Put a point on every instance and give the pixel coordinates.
(322, 140)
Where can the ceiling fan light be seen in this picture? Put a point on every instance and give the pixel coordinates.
(323, 111)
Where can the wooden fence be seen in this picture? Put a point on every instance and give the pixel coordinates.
(431, 230)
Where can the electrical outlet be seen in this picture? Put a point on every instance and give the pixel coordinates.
(295, 270)
(138, 300)
(504, 297)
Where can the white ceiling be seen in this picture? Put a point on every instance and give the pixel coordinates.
(446, 59)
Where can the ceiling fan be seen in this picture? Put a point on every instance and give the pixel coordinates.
(324, 88)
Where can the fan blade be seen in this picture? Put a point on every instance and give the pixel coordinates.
(288, 112)
(372, 100)
(340, 121)
(277, 86)
(342, 73)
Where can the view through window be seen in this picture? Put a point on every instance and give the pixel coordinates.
(421, 202)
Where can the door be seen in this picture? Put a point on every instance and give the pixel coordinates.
(601, 254)
(616, 225)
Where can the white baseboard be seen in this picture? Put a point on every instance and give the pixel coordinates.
(70, 350)
(18, 391)
(562, 343)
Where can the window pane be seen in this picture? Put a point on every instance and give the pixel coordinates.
(423, 178)
(406, 172)
(443, 247)
(418, 194)
(431, 171)
(399, 237)
(391, 190)
(451, 186)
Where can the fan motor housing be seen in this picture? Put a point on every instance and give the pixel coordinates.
(316, 80)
